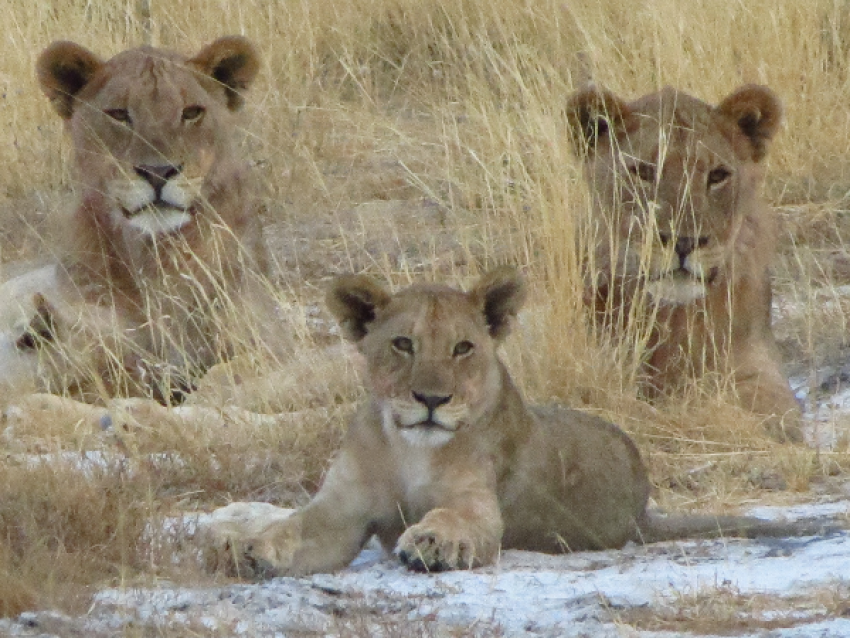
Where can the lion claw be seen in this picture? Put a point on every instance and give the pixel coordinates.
(427, 553)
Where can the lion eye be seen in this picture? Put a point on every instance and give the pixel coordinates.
(463, 348)
(718, 176)
(643, 171)
(403, 344)
(194, 113)
(120, 115)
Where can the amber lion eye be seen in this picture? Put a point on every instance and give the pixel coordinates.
(403, 344)
(120, 115)
(194, 113)
(644, 171)
(462, 348)
(718, 175)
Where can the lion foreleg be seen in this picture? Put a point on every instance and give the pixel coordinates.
(764, 389)
(454, 537)
(324, 535)
(314, 539)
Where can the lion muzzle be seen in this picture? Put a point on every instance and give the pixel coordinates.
(157, 200)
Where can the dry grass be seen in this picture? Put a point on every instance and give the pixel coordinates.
(722, 610)
(424, 139)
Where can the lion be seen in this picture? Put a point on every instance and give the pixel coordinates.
(167, 233)
(686, 242)
(52, 341)
(445, 462)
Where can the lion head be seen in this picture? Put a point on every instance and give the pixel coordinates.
(675, 181)
(151, 128)
(430, 350)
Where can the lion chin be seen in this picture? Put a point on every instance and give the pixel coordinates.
(156, 220)
(415, 426)
(678, 288)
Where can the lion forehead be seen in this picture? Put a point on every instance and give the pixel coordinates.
(153, 86)
(673, 107)
(683, 134)
(432, 315)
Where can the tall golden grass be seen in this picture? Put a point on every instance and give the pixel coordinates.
(426, 139)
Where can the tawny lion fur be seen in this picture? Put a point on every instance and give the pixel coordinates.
(166, 234)
(685, 241)
(445, 463)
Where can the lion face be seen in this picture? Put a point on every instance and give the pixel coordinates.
(672, 179)
(150, 127)
(430, 350)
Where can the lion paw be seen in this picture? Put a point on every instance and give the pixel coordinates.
(250, 540)
(426, 549)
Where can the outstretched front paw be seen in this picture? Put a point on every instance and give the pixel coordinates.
(250, 540)
(443, 541)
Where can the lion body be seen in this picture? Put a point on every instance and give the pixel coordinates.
(167, 232)
(446, 463)
(685, 241)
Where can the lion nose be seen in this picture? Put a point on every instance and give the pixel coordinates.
(431, 401)
(684, 245)
(157, 176)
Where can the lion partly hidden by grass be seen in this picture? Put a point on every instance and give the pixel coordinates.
(165, 243)
(445, 462)
(684, 241)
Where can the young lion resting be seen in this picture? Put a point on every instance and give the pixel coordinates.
(685, 241)
(166, 237)
(445, 462)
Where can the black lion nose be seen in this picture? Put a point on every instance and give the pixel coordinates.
(431, 401)
(684, 245)
(157, 176)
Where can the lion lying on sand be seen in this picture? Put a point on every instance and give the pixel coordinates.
(445, 463)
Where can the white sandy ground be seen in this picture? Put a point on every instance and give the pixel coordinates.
(586, 594)
(525, 594)
(779, 588)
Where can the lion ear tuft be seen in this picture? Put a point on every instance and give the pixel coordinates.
(353, 300)
(757, 112)
(233, 62)
(500, 293)
(63, 70)
(592, 114)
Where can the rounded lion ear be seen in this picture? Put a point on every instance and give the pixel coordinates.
(233, 62)
(592, 114)
(757, 113)
(353, 300)
(500, 293)
(63, 70)
(42, 327)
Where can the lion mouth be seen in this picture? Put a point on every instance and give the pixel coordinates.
(158, 219)
(427, 424)
(158, 207)
(686, 276)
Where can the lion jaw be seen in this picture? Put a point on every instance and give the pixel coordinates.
(152, 214)
(411, 422)
(683, 285)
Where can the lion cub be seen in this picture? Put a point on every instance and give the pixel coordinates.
(686, 241)
(445, 462)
